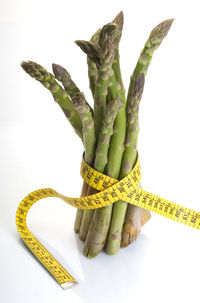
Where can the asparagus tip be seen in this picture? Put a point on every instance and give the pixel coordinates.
(119, 19)
(32, 68)
(161, 31)
(79, 42)
(40, 74)
(59, 71)
(111, 30)
(90, 49)
(26, 65)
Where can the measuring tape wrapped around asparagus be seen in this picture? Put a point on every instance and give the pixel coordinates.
(113, 207)
(109, 131)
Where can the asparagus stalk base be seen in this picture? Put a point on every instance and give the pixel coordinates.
(79, 212)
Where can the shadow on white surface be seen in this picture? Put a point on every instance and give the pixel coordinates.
(112, 278)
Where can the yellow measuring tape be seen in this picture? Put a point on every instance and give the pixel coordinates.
(110, 191)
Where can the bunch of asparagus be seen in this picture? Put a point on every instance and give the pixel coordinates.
(109, 132)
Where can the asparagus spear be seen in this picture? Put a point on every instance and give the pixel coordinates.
(155, 39)
(98, 228)
(117, 141)
(114, 88)
(90, 49)
(128, 160)
(112, 109)
(88, 130)
(71, 88)
(105, 51)
(129, 157)
(119, 20)
(83, 218)
(131, 229)
(102, 43)
(87, 217)
(100, 162)
(80, 212)
(83, 109)
(96, 240)
(62, 75)
(135, 218)
(106, 38)
(60, 95)
(92, 67)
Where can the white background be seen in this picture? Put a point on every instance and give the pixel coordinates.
(39, 149)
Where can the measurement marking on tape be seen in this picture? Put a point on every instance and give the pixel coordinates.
(110, 191)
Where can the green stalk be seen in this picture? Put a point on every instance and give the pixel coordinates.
(89, 140)
(130, 153)
(128, 160)
(79, 212)
(131, 229)
(71, 88)
(106, 60)
(87, 217)
(92, 67)
(62, 75)
(155, 39)
(83, 218)
(100, 54)
(98, 228)
(101, 220)
(60, 95)
(100, 162)
(88, 129)
(88, 214)
(101, 159)
(117, 141)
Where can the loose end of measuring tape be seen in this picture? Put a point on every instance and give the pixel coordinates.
(67, 285)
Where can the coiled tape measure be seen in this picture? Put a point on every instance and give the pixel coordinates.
(110, 191)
